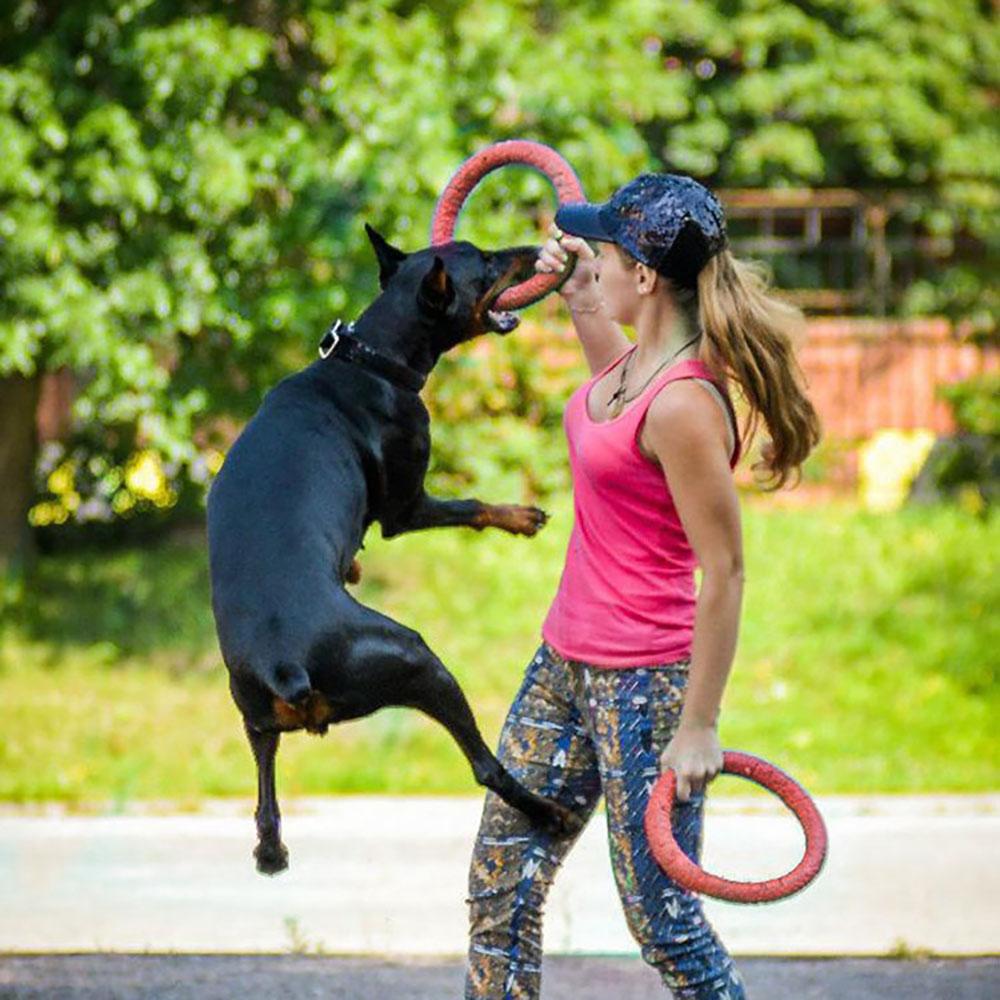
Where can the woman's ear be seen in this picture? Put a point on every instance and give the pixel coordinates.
(646, 279)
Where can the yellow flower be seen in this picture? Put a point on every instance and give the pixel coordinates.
(123, 501)
(48, 512)
(888, 463)
(144, 475)
(62, 478)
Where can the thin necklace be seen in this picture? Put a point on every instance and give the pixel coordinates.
(618, 400)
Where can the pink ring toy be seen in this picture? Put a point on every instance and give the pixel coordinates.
(527, 153)
(686, 873)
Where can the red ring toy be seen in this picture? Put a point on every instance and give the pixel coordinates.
(522, 151)
(687, 874)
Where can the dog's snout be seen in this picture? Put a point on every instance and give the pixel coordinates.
(516, 264)
(527, 262)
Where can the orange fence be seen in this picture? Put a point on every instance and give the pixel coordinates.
(865, 374)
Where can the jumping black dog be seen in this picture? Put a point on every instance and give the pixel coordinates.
(334, 447)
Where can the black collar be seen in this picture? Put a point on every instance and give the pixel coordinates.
(339, 342)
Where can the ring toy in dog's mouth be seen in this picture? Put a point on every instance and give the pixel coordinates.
(501, 320)
(687, 874)
(528, 153)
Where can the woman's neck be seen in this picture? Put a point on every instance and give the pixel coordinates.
(661, 330)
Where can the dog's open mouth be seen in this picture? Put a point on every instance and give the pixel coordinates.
(521, 268)
(501, 321)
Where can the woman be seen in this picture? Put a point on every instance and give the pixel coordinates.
(631, 671)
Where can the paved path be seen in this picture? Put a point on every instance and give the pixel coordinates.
(214, 977)
(386, 876)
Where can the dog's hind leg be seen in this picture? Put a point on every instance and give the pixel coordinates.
(398, 668)
(440, 697)
(270, 852)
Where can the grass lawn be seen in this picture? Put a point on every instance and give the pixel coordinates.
(867, 662)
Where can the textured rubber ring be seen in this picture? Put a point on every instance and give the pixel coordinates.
(527, 153)
(670, 857)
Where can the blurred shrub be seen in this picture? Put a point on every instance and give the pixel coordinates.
(975, 403)
(966, 466)
(183, 184)
(496, 406)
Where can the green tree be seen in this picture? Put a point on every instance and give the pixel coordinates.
(184, 182)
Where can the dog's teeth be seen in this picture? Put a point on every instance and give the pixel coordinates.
(502, 320)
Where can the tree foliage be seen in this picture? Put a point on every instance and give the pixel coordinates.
(184, 182)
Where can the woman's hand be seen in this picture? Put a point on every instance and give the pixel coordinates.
(581, 286)
(695, 756)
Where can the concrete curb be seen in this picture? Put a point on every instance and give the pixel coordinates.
(387, 875)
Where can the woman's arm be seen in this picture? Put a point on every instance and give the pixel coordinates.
(686, 430)
(602, 339)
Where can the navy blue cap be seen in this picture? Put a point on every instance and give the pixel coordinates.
(670, 222)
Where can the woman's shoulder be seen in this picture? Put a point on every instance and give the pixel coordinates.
(680, 400)
(684, 415)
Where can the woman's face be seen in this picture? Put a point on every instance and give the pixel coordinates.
(618, 283)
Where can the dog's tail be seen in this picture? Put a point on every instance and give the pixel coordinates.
(290, 682)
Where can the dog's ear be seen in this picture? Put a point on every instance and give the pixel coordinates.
(436, 290)
(389, 258)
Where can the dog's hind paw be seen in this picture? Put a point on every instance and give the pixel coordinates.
(560, 821)
(272, 859)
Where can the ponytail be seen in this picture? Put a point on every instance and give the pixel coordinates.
(749, 337)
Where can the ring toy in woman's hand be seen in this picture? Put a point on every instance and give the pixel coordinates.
(686, 873)
(527, 153)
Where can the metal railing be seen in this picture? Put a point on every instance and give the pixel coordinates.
(834, 250)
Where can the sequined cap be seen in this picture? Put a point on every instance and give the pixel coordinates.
(670, 222)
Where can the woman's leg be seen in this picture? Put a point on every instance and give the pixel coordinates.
(633, 715)
(545, 746)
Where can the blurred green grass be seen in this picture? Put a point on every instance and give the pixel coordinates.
(867, 662)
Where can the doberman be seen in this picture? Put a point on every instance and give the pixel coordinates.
(338, 445)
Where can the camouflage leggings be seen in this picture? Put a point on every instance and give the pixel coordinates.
(573, 733)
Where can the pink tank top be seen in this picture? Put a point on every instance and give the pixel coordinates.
(627, 595)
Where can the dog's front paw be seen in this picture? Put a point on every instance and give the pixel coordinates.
(272, 858)
(519, 520)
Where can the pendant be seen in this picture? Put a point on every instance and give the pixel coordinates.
(617, 401)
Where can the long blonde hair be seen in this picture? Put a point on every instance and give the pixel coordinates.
(749, 338)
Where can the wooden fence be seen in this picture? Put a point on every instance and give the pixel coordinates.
(864, 374)
(867, 374)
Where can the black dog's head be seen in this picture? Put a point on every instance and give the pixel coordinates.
(454, 285)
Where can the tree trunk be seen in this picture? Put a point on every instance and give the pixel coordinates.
(18, 454)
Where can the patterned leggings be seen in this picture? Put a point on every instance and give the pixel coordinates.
(573, 733)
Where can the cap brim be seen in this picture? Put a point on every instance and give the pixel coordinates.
(582, 219)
